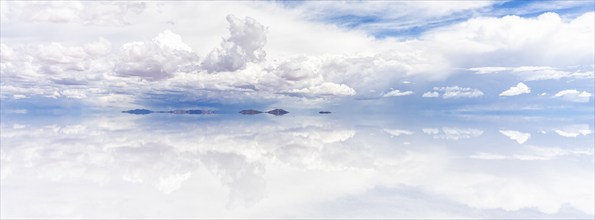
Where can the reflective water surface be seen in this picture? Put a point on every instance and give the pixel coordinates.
(115, 165)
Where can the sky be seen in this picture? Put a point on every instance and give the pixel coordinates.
(460, 56)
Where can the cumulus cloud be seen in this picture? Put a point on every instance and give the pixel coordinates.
(517, 136)
(245, 44)
(574, 95)
(520, 88)
(157, 59)
(396, 92)
(431, 94)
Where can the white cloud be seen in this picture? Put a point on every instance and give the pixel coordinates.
(517, 41)
(531, 73)
(520, 88)
(58, 54)
(574, 95)
(450, 92)
(517, 136)
(397, 93)
(431, 94)
(326, 89)
(87, 13)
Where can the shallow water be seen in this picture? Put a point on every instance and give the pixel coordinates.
(302, 165)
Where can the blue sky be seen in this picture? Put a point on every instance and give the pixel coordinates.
(449, 55)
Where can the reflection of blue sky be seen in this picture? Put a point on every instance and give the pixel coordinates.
(300, 165)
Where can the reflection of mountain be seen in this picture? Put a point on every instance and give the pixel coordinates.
(138, 111)
(277, 112)
(250, 112)
(177, 112)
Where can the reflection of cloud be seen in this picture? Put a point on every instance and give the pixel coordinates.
(397, 132)
(245, 179)
(535, 153)
(574, 95)
(171, 183)
(574, 130)
(452, 133)
(518, 136)
(431, 130)
(274, 167)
